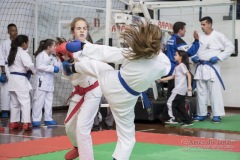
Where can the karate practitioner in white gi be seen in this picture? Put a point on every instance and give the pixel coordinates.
(142, 64)
(84, 101)
(214, 48)
(46, 64)
(19, 63)
(4, 52)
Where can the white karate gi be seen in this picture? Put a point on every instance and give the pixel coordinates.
(44, 86)
(5, 95)
(138, 74)
(78, 128)
(208, 84)
(19, 87)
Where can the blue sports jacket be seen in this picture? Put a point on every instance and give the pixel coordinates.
(177, 43)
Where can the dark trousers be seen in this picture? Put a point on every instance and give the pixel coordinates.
(170, 86)
(183, 116)
(179, 105)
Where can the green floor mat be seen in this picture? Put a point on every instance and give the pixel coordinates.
(143, 151)
(228, 123)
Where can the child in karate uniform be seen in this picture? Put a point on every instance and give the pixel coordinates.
(20, 66)
(46, 65)
(142, 64)
(84, 100)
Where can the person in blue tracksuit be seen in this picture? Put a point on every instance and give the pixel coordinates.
(177, 43)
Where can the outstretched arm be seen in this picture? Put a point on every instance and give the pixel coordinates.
(166, 79)
(104, 53)
(89, 67)
(99, 52)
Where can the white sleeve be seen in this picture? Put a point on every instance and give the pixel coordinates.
(229, 48)
(56, 62)
(165, 63)
(27, 62)
(2, 59)
(104, 53)
(41, 64)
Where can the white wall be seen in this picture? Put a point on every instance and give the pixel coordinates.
(231, 76)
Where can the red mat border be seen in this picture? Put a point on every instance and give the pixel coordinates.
(46, 145)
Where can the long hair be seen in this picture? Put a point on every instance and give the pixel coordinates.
(44, 44)
(185, 58)
(88, 38)
(17, 42)
(143, 40)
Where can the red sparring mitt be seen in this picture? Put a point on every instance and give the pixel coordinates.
(61, 50)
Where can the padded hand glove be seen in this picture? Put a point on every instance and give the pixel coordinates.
(56, 69)
(3, 78)
(195, 59)
(214, 60)
(67, 68)
(74, 46)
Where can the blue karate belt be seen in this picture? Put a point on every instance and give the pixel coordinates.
(135, 93)
(201, 62)
(6, 62)
(18, 73)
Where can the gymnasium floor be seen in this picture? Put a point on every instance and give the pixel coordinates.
(148, 135)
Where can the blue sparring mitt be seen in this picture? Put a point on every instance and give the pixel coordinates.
(74, 46)
(195, 59)
(3, 78)
(29, 74)
(214, 60)
(67, 68)
(56, 69)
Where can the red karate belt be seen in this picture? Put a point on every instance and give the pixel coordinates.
(80, 91)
